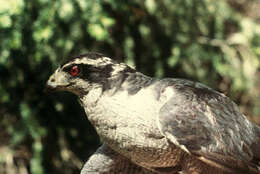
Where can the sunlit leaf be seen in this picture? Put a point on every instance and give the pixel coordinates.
(5, 21)
(97, 31)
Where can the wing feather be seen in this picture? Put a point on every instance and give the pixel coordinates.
(207, 124)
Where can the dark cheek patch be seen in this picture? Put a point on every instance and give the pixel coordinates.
(95, 74)
(100, 75)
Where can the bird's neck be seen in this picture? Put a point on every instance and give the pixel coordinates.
(135, 82)
(91, 97)
(132, 83)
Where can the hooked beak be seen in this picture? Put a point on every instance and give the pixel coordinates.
(56, 82)
(49, 89)
(51, 86)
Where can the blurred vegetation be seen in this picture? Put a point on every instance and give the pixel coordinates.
(214, 42)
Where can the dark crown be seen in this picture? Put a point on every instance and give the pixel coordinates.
(90, 55)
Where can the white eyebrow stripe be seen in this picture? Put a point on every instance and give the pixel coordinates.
(94, 62)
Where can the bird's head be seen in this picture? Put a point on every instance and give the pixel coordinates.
(81, 74)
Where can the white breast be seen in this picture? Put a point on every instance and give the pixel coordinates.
(128, 123)
(130, 111)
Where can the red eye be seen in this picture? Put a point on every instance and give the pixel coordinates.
(74, 71)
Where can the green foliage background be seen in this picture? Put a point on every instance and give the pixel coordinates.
(214, 42)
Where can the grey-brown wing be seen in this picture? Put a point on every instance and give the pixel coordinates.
(256, 146)
(107, 161)
(209, 125)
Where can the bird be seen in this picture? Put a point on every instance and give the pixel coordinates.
(151, 125)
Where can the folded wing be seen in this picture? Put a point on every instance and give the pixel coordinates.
(209, 125)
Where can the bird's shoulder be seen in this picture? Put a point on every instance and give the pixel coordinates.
(189, 90)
